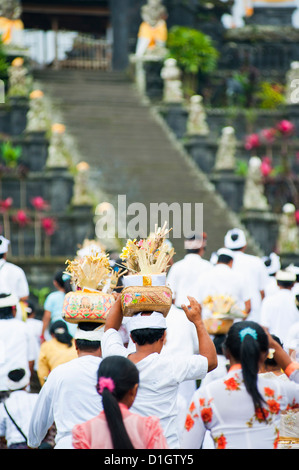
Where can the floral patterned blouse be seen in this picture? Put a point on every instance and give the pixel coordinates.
(225, 408)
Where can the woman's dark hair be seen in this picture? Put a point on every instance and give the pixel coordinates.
(246, 349)
(6, 313)
(63, 280)
(125, 376)
(272, 361)
(60, 331)
(144, 336)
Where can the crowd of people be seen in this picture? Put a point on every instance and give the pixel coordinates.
(153, 381)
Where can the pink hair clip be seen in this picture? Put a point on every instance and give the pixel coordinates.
(105, 382)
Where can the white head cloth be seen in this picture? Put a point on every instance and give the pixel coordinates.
(274, 265)
(139, 320)
(285, 276)
(226, 252)
(9, 301)
(18, 385)
(93, 335)
(239, 242)
(3, 244)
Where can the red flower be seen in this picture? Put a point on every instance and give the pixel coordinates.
(252, 141)
(221, 442)
(6, 204)
(39, 203)
(189, 423)
(285, 127)
(231, 384)
(269, 392)
(261, 414)
(21, 218)
(49, 225)
(266, 167)
(268, 135)
(274, 406)
(297, 216)
(206, 415)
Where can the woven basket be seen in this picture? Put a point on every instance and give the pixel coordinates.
(146, 299)
(86, 306)
(218, 326)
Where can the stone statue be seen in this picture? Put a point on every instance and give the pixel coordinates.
(196, 123)
(292, 84)
(37, 117)
(152, 33)
(58, 155)
(288, 235)
(82, 196)
(254, 197)
(11, 27)
(225, 156)
(171, 74)
(19, 81)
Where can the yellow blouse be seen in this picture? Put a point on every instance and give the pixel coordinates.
(52, 354)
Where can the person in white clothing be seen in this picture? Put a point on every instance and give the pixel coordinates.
(294, 269)
(273, 265)
(12, 278)
(185, 271)
(251, 266)
(279, 312)
(16, 342)
(35, 327)
(69, 395)
(16, 410)
(160, 374)
(223, 280)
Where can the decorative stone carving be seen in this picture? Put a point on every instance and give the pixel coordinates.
(19, 81)
(11, 26)
(196, 123)
(225, 156)
(152, 33)
(171, 74)
(37, 117)
(254, 198)
(292, 84)
(288, 235)
(82, 196)
(58, 155)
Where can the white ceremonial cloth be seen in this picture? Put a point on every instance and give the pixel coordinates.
(68, 397)
(20, 405)
(292, 340)
(279, 313)
(271, 286)
(222, 280)
(13, 281)
(16, 348)
(183, 274)
(256, 274)
(35, 327)
(159, 377)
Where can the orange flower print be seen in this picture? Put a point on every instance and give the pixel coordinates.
(261, 414)
(192, 407)
(269, 392)
(231, 384)
(206, 415)
(189, 423)
(220, 442)
(274, 406)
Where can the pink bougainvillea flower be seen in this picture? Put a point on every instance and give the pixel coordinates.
(6, 204)
(285, 127)
(21, 218)
(268, 135)
(39, 203)
(266, 167)
(297, 216)
(252, 141)
(49, 225)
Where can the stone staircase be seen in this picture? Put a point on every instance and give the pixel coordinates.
(131, 150)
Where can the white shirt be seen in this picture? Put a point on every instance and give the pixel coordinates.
(159, 377)
(292, 340)
(16, 348)
(225, 408)
(271, 286)
(182, 275)
(35, 327)
(222, 280)
(279, 313)
(68, 397)
(13, 281)
(253, 268)
(20, 406)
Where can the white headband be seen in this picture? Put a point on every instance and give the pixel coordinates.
(13, 385)
(93, 335)
(226, 252)
(9, 301)
(240, 241)
(3, 244)
(153, 320)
